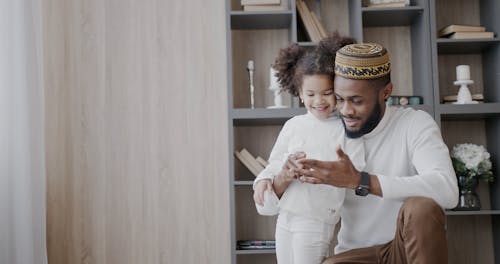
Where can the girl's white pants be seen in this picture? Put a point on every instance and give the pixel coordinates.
(302, 240)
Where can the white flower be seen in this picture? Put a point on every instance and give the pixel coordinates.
(471, 155)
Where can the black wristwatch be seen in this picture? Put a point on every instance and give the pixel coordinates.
(363, 188)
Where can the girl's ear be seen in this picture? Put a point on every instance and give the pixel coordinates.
(301, 97)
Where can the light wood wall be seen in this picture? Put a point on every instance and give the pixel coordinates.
(137, 151)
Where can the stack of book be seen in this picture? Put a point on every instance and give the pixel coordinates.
(386, 3)
(315, 30)
(254, 165)
(465, 32)
(264, 5)
(255, 244)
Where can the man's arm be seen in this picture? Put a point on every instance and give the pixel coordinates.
(435, 176)
(429, 155)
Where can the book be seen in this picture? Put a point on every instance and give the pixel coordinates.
(386, 3)
(305, 15)
(278, 7)
(247, 163)
(316, 32)
(256, 247)
(459, 28)
(253, 162)
(318, 25)
(256, 244)
(472, 35)
(262, 161)
(304, 19)
(260, 2)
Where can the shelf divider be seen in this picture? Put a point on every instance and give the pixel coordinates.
(261, 19)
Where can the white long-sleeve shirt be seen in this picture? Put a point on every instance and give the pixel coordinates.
(407, 154)
(319, 140)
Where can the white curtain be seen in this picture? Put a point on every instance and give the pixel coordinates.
(22, 154)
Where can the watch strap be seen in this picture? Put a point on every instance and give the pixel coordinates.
(365, 179)
(363, 188)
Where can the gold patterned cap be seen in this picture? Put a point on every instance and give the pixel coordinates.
(362, 61)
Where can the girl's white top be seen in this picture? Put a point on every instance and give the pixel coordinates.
(319, 140)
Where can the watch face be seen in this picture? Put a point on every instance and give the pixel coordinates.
(362, 191)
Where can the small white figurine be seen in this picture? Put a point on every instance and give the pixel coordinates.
(275, 87)
(250, 70)
(463, 79)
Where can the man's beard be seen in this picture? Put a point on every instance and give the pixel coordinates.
(368, 126)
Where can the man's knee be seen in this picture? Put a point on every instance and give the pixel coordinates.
(421, 210)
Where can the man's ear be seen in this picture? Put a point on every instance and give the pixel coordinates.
(387, 91)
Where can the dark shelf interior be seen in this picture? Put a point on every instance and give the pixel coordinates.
(390, 16)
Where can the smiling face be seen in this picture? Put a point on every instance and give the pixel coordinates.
(361, 104)
(317, 94)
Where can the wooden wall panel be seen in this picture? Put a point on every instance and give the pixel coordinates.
(335, 16)
(470, 239)
(136, 131)
(397, 41)
(464, 12)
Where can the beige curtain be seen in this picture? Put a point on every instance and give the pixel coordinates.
(22, 161)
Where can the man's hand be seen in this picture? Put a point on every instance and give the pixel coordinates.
(341, 173)
(287, 174)
(262, 186)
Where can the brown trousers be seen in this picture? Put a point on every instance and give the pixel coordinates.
(420, 238)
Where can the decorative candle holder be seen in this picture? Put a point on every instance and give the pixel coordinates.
(463, 79)
(275, 88)
(464, 96)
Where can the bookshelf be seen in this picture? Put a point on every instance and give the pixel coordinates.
(467, 123)
(423, 65)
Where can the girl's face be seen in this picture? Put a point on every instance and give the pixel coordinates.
(317, 94)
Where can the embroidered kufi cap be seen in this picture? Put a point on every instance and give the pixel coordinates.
(362, 61)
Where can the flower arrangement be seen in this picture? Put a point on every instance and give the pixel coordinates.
(472, 161)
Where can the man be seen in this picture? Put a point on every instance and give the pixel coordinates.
(399, 176)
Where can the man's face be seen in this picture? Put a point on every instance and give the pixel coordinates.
(361, 105)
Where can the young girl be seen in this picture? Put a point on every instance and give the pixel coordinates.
(307, 212)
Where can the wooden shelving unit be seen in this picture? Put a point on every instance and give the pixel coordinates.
(423, 65)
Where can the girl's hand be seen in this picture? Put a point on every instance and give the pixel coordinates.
(261, 187)
(288, 174)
